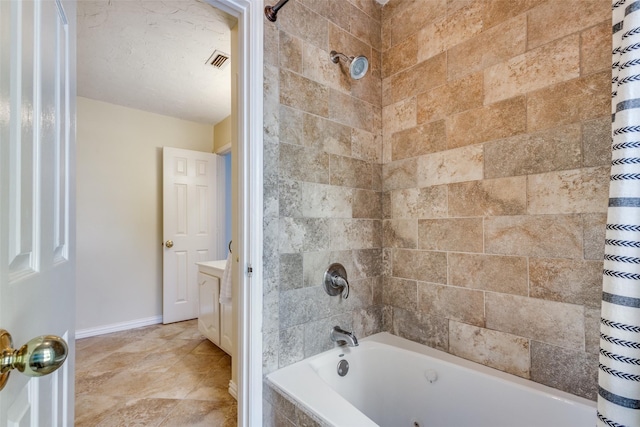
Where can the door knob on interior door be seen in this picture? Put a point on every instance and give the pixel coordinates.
(40, 356)
(169, 243)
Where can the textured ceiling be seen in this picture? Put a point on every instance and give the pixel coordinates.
(151, 55)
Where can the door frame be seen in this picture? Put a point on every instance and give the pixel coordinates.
(250, 186)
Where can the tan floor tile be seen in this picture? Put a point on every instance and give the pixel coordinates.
(140, 412)
(91, 409)
(196, 413)
(139, 378)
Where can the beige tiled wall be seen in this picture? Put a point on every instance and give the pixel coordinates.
(323, 176)
(463, 182)
(495, 175)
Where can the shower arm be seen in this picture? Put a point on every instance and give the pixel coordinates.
(335, 57)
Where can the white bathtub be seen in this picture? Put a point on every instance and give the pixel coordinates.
(391, 383)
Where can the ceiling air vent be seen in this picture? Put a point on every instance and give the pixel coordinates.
(218, 59)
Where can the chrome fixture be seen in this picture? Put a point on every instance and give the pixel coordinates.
(335, 281)
(342, 337)
(358, 65)
(271, 12)
(343, 367)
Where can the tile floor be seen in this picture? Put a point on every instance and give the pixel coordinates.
(160, 375)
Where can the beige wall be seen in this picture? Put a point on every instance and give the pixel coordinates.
(119, 208)
(496, 123)
(221, 134)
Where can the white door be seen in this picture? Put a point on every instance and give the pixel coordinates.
(37, 204)
(190, 228)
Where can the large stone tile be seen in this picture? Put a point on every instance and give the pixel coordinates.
(425, 202)
(496, 11)
(140, 412)
(572, 101)
(409, 17)
(504, 274)
(451, 234)
(400, 293)
(368, 321)
(458, 26)
(290, 267)
(574, 191)
(572, 371)
(556, 323)
(419, 78)
(400, 174)
(326, 201)
(290, 57)
(303, 94)
(444, 301)
(550, 150)
(400, 233)
(592, 330)
(506, 352)
(499, 120)
(326, 135)
(350, 172)
(366, 145)
(595, 48)
(304, 23)
(596, 142)
(556, 236)
(450, 98)
(355, 234)
(396, 117)
(90, 409)
(420, 265)
(549, 21)
(319, 68)
(366, 204)
(565, 280)
(303, 164)
(489, 197)
(354, 112)
(549, 64)
(457, 165)
(490, 47)
(300, 306)
(422, 139)
(199, 413)
(303, 234)
(401, 57)
(594, 235)
(419, 327)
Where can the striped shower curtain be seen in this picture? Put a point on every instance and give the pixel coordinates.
(619, 374)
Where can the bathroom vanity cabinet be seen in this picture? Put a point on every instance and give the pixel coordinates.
(214, 319)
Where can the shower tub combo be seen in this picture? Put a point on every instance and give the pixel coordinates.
(391, 381)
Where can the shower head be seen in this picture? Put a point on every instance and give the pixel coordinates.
(358, 65)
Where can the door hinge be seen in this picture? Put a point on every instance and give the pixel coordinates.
(249, 271)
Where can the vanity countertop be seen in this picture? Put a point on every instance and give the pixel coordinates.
(215, 268)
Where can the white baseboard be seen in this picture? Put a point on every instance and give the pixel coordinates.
(116, 327)
(233, 389)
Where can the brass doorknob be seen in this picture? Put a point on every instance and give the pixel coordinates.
(40, 356)
(169, 243)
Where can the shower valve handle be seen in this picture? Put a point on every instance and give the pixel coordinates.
(335, 281)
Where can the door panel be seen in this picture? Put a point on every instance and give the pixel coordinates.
(37, 255)
(189, 190)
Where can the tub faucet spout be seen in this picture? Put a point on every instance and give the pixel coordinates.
(342, 337)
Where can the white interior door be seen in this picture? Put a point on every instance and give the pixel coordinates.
(37, 253)
(190, 228)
